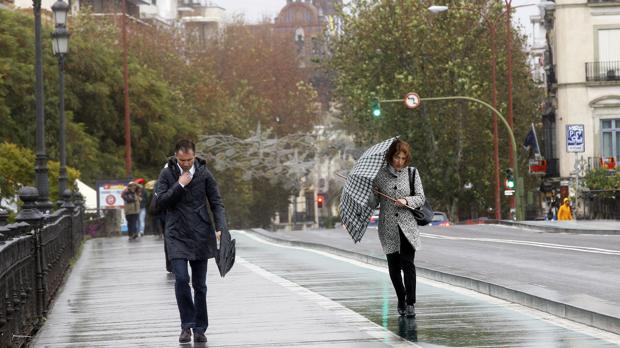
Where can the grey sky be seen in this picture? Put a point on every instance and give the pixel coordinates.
(253, 10)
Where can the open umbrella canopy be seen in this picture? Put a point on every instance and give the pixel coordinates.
(225, 257)
(354, 209)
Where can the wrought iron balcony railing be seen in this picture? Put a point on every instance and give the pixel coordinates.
(603, 71)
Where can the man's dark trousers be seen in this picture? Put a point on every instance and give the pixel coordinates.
(193, 312)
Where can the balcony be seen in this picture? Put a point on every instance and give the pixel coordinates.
(603, 71)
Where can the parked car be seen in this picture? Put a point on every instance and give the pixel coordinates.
(440, 219)
(374, 218)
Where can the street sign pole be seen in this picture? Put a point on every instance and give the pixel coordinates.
(412, 101)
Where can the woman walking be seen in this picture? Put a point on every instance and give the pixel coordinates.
(398, 229)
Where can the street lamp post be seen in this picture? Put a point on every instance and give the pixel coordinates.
(60, 46)
(43, 203)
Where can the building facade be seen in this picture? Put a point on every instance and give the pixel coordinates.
(581, 116)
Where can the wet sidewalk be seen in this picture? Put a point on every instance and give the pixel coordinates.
(605, 227)
(505, 275)
(119, 295)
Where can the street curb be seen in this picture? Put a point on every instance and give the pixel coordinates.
(556, 229)
(562, 310)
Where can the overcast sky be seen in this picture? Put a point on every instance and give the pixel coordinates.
(253, 10)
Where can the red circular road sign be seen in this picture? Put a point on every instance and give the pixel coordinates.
(110, 199)
(412, 100)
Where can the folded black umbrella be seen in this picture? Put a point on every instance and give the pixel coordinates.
(225, 257)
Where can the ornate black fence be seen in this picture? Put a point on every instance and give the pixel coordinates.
(34, 255)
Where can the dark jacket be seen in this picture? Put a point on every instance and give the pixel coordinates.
(190, 233)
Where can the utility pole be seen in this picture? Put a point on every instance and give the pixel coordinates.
(126, 93)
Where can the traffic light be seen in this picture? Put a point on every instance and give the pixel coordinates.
(320, 199)
(510, 180)
(376, 108)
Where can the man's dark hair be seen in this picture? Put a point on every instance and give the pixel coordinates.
(185, 145)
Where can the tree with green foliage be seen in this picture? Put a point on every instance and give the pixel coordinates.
(17, 168)
(179, 88)
(604, 183)
(388, 48)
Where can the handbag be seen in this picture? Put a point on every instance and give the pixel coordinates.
(423, 214)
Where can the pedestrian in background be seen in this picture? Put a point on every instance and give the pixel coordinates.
(565, 213)
(398, 229)
(183, 189)
(143, 201)
(131, 196)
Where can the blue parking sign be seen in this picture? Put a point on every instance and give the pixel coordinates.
(575, 138)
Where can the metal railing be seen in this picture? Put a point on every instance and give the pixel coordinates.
(603, 71)
(34, 255)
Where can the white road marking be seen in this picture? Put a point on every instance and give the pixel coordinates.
(528, 243)
(533, 313)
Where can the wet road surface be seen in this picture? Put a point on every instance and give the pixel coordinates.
(119, 295)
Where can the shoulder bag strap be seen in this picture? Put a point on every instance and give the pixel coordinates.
(412, 180)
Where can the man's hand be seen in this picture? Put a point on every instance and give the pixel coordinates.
(185, 179)
(401, 202)
(218, 235)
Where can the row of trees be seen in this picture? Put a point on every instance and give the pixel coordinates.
(388, 48)
(178, 87)
(181, 87)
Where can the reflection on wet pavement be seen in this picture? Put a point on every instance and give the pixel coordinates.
(444, 317)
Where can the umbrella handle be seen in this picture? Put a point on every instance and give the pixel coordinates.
(391, 198)
(379, 192)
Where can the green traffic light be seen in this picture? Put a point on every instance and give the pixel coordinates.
(376, 108)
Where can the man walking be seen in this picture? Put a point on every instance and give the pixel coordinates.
(183, 189)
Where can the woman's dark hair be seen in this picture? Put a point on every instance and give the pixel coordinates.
(184, 145)
(396, 147)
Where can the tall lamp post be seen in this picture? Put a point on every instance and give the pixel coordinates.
(60, 47)
(43, 203)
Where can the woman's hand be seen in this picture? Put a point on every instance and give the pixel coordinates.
(401, 202)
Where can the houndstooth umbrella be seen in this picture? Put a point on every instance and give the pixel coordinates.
(354, 209)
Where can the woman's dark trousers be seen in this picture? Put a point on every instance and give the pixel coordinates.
(403, 260)
(132, 224)
(193, 311)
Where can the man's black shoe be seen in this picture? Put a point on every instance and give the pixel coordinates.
(199, 337)
(401, 308)
(410, 311)
(186, 336)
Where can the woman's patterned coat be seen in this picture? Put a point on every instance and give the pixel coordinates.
(396, 184)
